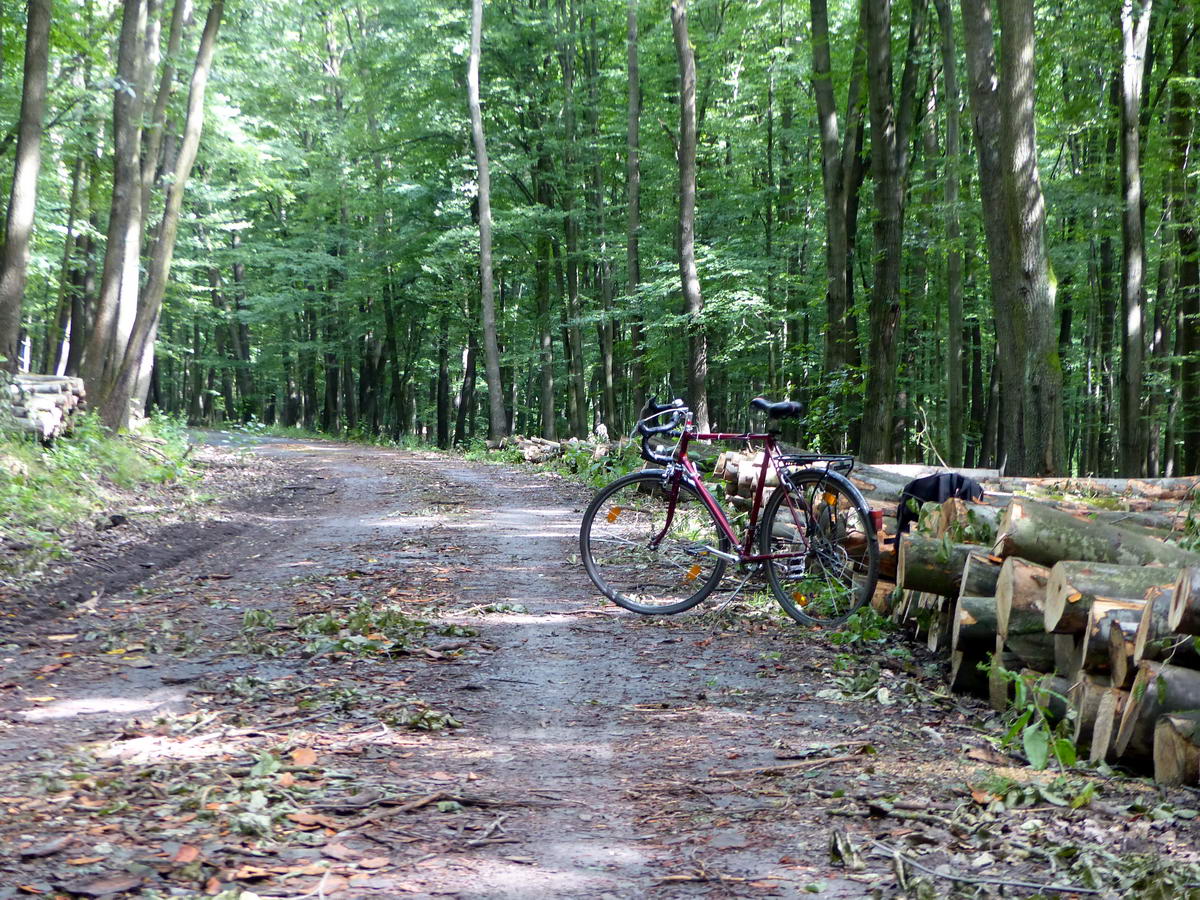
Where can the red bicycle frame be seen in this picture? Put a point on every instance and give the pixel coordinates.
(770, 459)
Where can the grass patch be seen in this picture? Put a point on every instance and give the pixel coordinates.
(45, 491)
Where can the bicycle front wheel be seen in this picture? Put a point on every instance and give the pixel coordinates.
(819, 527)
(648, 545)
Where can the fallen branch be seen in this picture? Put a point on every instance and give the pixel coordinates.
(981, 879)
(782, 767)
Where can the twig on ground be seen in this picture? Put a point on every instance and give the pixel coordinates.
(783, 767)
(904, 859)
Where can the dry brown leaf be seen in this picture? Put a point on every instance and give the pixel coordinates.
(375, 862)
(186, 854)
(312, 820)
(340, 852)
(250, 873)
(304, 756)
(85, 860)
(286, 779)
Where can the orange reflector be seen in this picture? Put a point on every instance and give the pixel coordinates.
(692, 573)
(614, 513)
(830, 499)
(801, 599)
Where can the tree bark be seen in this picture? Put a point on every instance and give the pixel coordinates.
(124, 221)
(693, 302)
(14, 264)
(954, 262)
(633, 197)
(1074, 587)
(1047, 536)
(1014, 220)
(1132, 431)
(498, 427)
(115, 408)
(879, 401)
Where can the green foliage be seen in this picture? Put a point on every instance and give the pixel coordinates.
(1029, 721)
(864, 627)
(368, 630)
(46, 491)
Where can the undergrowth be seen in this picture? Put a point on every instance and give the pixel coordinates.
(45, 491)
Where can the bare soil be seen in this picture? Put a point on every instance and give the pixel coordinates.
(171, 723)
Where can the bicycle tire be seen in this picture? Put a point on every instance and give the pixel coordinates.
(617, 549)
(830, 522)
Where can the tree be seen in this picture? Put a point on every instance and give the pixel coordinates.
(23, 197)
(115, 409)
(1133, 430)
(1014, 220)
(693, 302)
(498, 428)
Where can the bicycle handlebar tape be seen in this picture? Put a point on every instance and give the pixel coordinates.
(784, 409)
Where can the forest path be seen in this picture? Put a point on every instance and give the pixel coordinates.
(246, 719)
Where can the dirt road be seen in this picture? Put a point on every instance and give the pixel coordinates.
(239, 715)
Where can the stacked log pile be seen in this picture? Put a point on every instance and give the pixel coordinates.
(1075, 583)
(44, 404)
(1103, 615)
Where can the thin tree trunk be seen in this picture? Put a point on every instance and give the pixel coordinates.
(498, 428)
(115, 408)
(697, 368)
(1132, 431)
(954, 265)
(101, 354)
(14, 265)
(633, 196)
(879, 402)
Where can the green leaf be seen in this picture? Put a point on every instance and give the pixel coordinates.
(268, 764)
(1037, 745)
(1064, 750)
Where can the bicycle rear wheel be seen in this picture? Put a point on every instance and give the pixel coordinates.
(646, 553)
(823, 524)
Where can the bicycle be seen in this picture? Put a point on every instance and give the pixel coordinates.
(657, 542)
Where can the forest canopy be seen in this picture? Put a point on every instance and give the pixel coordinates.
(960, 233)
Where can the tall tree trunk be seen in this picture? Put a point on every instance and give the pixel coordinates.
(124, 221)
(1133, 432)
(833, 176)
(115, 408)
(954, 264)
(56, 329)
(1187, 237)
(14, 264)
(1014, 219)
(693, 302)
(888, 153)
(498, 428)
(633, 197)
(443, 382)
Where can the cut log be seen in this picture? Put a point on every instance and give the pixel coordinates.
(974, 623)
(1020, 597)
(999, 683)
(1043, 535)
(1073, 586)
(930, 565)
(1177, 749)
(1185, 606)
(1155, 640)
(1157, 689)
(967, 522)
(1066, 654)
(1035, 651)
(1109, 712)
(1093, 643)
(965, 675)
(1121, 639)
(979, 575)
(1085, 697)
